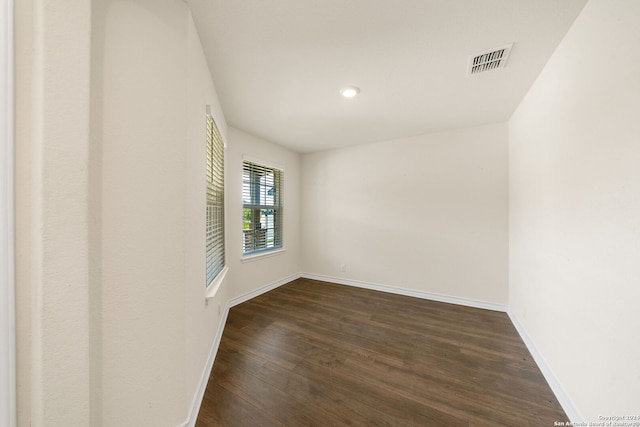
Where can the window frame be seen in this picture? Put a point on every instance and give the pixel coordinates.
(215, 258)
(8, 409)
(256, 206)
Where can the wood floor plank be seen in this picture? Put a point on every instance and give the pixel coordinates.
(312, 353)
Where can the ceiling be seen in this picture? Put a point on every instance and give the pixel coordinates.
(279, 65)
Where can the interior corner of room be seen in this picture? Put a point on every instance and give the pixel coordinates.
(523, 198)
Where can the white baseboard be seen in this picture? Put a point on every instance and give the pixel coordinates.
(567, 404)
(410, 292)
(264, 289)
(204, 378)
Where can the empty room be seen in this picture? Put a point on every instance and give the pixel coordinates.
(348, 212)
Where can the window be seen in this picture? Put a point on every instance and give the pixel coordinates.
(215, 201)
(262, 208)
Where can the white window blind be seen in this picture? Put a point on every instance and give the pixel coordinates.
(215, 201)
(262, 207)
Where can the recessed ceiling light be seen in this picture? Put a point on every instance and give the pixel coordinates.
(349, 91)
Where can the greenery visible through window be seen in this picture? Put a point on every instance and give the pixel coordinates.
(215, 201)
(262, 208)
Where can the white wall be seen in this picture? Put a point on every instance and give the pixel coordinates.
(202, 316)
(575, 211)
(23, 34)
(112, 178)
(143, 45)
(427, 213)
(245, 277)
(113, 325)
(59, 252)
(157, 326)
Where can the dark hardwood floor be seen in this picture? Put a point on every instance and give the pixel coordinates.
(312, 353)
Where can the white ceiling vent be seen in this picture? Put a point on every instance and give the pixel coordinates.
(489, 60)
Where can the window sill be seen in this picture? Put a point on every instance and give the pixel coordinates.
(215, 284)
(261, 255)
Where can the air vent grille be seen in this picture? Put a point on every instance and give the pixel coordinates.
(489, 60)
